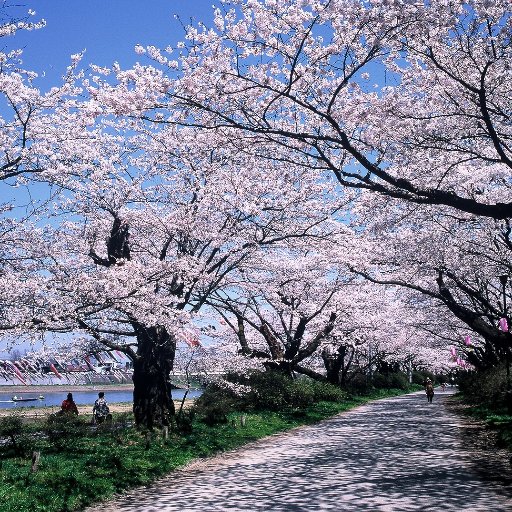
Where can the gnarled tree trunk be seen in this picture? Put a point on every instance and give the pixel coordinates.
(152, 400)
(333, 364)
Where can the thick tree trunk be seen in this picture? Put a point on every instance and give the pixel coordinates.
(333, 364)
(284, 367)
(337, 365)
(152, 400)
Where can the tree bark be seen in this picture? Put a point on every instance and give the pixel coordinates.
(152, 400)
(333, 364)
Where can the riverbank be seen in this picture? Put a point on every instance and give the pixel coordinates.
(83, 410)
(64, 388)
(119, 397)
(44, 412)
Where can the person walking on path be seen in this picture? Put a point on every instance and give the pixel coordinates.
(429, 390)
(68, 406)
(100, 410)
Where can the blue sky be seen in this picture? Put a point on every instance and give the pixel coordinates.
(107, 29)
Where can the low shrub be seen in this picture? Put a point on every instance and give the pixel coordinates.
(123, 419)
(324, 391)
(394, 380)
(276, 391)
(419, 377)
(185, 420)
(19, 439)
(359, 384)
(211, 408)
(268, 391)
(65, 431)
(485, 387)
(379, 381)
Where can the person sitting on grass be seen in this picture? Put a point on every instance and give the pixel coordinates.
(101, 410)
(68, 406)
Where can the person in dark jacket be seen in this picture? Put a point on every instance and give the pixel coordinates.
(429, 390)
(68, 406)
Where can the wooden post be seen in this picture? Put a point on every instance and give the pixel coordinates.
(242, 420)
(35, 460)
(165, 432)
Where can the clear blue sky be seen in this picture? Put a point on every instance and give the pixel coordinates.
(107, 29)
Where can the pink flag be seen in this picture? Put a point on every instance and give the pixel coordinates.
(54, 370)
(17, 372)
(503, 324)
(467, 341)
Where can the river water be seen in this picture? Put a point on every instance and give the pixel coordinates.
(55, 398)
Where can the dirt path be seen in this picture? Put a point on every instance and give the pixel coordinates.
(395, 455)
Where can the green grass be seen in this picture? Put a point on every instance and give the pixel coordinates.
(501, 423)
(495, 418)
(88, 467)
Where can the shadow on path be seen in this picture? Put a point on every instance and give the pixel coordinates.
(398, 455)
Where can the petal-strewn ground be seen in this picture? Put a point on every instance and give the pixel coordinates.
(398, 455)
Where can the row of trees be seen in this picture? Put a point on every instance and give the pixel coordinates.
(307, 183)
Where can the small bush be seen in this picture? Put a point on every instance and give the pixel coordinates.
(359, 385)
(276, 391)
(380, 381)
(323, 391)
(394, 380)
(11, 427)
(65, 431)
(185, 420)
(213, 413)
(123, 419)
(17, 435)
(420, 377)
(485, 387)
(269, 391)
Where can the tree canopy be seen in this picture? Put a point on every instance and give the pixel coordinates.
(310, 182)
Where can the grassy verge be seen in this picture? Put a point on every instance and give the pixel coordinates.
(484, 396)
(497, 420)
(79, 466)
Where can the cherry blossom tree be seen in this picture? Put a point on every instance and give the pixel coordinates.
(457, 271)
(283, 310)
(408, 100)
(155, 224)
(299, 312)
(32, 125)
(402, 103)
